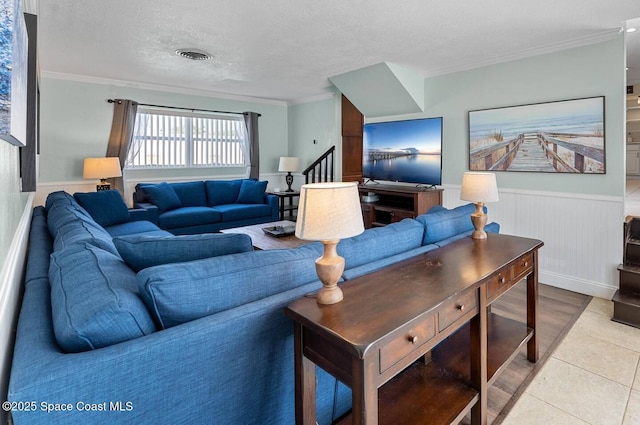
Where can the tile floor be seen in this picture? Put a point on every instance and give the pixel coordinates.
(592, 378)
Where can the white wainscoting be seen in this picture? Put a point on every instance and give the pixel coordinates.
(11, 278)
(582, 234)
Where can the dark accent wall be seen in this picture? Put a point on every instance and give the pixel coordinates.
(28, 153)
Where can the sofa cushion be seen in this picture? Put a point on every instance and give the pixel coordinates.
(141, 251)
(191, 194)
(188, 216)
(40, 246)
(233, 212)
(445, 223)
(489, 228)
(81, 232)
(163, 196)
(94, 300)
(61, 213)
(380, 242)
(58, 198)
(252, 192)
(182, 292)
(221, 192)
(105, 206)
(136, 228)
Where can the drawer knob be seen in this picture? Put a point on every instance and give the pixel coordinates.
(413, 339)
(525, 264)
(460, 307)
(501, 280)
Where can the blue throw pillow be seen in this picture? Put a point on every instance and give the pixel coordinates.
(444, 223)
(191, 194)
(106, 207)
(222, 192)
(252, 192)
(181, 292)
(95, 300)
(163, 196)
(141, 251)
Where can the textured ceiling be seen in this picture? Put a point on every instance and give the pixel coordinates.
(287, 49)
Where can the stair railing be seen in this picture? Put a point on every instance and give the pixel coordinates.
(321, 170)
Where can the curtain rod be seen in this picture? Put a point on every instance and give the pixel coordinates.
(185, 109)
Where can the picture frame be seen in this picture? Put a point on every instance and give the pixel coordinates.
(565, 136)
(13, 73)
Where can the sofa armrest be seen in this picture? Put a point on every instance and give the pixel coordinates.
(272, 201)
(151, 209)
(139, 214)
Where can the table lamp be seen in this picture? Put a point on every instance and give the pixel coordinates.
(479, 188)
(102, 168)
(289, 164)
(329, 212)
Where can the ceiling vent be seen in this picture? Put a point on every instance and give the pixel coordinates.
(194, 54)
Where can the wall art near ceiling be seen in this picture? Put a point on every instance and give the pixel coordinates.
(13, 73)
(555, 137)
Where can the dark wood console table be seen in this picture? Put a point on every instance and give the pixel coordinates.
(433, 307)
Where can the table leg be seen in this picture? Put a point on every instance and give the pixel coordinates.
(364, 393)
(478, 349)
(281, 200)
(532, 307)
(305, 382)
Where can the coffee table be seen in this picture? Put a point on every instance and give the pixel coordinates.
(262, 241)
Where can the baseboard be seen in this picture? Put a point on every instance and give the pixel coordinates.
(595, 289)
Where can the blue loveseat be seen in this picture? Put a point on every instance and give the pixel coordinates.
(206, 206)
(155, 328)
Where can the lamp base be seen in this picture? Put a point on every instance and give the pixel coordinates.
(103, 185)
(329, 268)
(289, 179)
(479, 220)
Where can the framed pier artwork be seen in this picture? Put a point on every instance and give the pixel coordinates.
(565, 136)
(13, 73)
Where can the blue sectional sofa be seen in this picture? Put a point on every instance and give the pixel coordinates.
(194, 207)
(151, 328)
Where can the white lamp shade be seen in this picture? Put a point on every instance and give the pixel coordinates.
(101, 168)
(479, 187)
(288, 163)
(329, 211)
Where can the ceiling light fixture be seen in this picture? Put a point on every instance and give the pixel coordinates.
(194, 54)
(632, 29)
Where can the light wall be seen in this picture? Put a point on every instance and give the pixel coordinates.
(578, 217)
(313, 128)
(76, 122)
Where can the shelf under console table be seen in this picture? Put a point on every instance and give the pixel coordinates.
(434, 308)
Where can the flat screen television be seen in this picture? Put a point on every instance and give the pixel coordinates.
(407, 151)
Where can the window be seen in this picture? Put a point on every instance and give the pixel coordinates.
(174, 140)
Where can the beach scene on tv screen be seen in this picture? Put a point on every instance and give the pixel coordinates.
(404, 151)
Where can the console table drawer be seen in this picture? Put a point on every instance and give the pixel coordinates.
(524, 265)
(507, 278)
(404, 345)
(455, 309)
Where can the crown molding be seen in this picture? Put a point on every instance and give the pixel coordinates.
(158, 87)
(533, 51)
(314, 98)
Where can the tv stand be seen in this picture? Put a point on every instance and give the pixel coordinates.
(396, 203)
